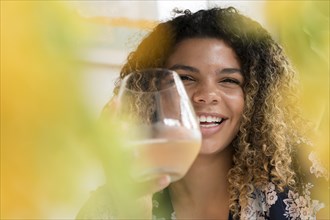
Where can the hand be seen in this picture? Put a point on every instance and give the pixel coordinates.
(144, 203)
(124, 192)
(107, 203)
(133, 200)
(152, 186)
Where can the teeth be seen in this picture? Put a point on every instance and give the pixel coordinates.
(209, 119)
(202, 118)
(209, 125)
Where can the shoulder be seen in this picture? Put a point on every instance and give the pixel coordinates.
(268, 203)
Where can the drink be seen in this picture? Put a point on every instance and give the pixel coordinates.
(164, 156)
(162, 129)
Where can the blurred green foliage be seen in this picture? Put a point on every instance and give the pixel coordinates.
(51, 146)
(302, 27)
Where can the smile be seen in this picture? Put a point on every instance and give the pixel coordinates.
(209, 121)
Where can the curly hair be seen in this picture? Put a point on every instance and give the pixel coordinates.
(268, 136)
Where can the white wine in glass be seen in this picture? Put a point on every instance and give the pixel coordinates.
(162, 129)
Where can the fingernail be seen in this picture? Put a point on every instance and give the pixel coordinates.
(165, 180)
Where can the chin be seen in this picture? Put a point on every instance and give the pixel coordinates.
(210, 147)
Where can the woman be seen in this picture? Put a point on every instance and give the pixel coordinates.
(235, 73)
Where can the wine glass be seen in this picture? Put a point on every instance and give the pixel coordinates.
(161, 126)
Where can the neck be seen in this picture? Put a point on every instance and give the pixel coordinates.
(205, 183)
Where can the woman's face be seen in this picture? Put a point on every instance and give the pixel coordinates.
(212, 75)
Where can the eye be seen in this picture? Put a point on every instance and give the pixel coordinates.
(231, 81)
(186, 78)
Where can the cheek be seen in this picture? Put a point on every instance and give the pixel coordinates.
(236, 103)
(189, 90)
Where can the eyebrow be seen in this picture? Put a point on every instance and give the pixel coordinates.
(184, 67)
(231, 70)
(195, 70)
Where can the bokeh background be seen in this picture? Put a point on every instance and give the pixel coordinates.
(59, 61)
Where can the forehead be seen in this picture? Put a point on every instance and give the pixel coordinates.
(203, 51)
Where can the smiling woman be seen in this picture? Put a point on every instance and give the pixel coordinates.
(243, 90)
(211, 73)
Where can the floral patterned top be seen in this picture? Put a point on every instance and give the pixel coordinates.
(263, 204)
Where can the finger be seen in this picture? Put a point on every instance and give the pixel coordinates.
(154, 185)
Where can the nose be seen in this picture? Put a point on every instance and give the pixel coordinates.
(206, 94)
